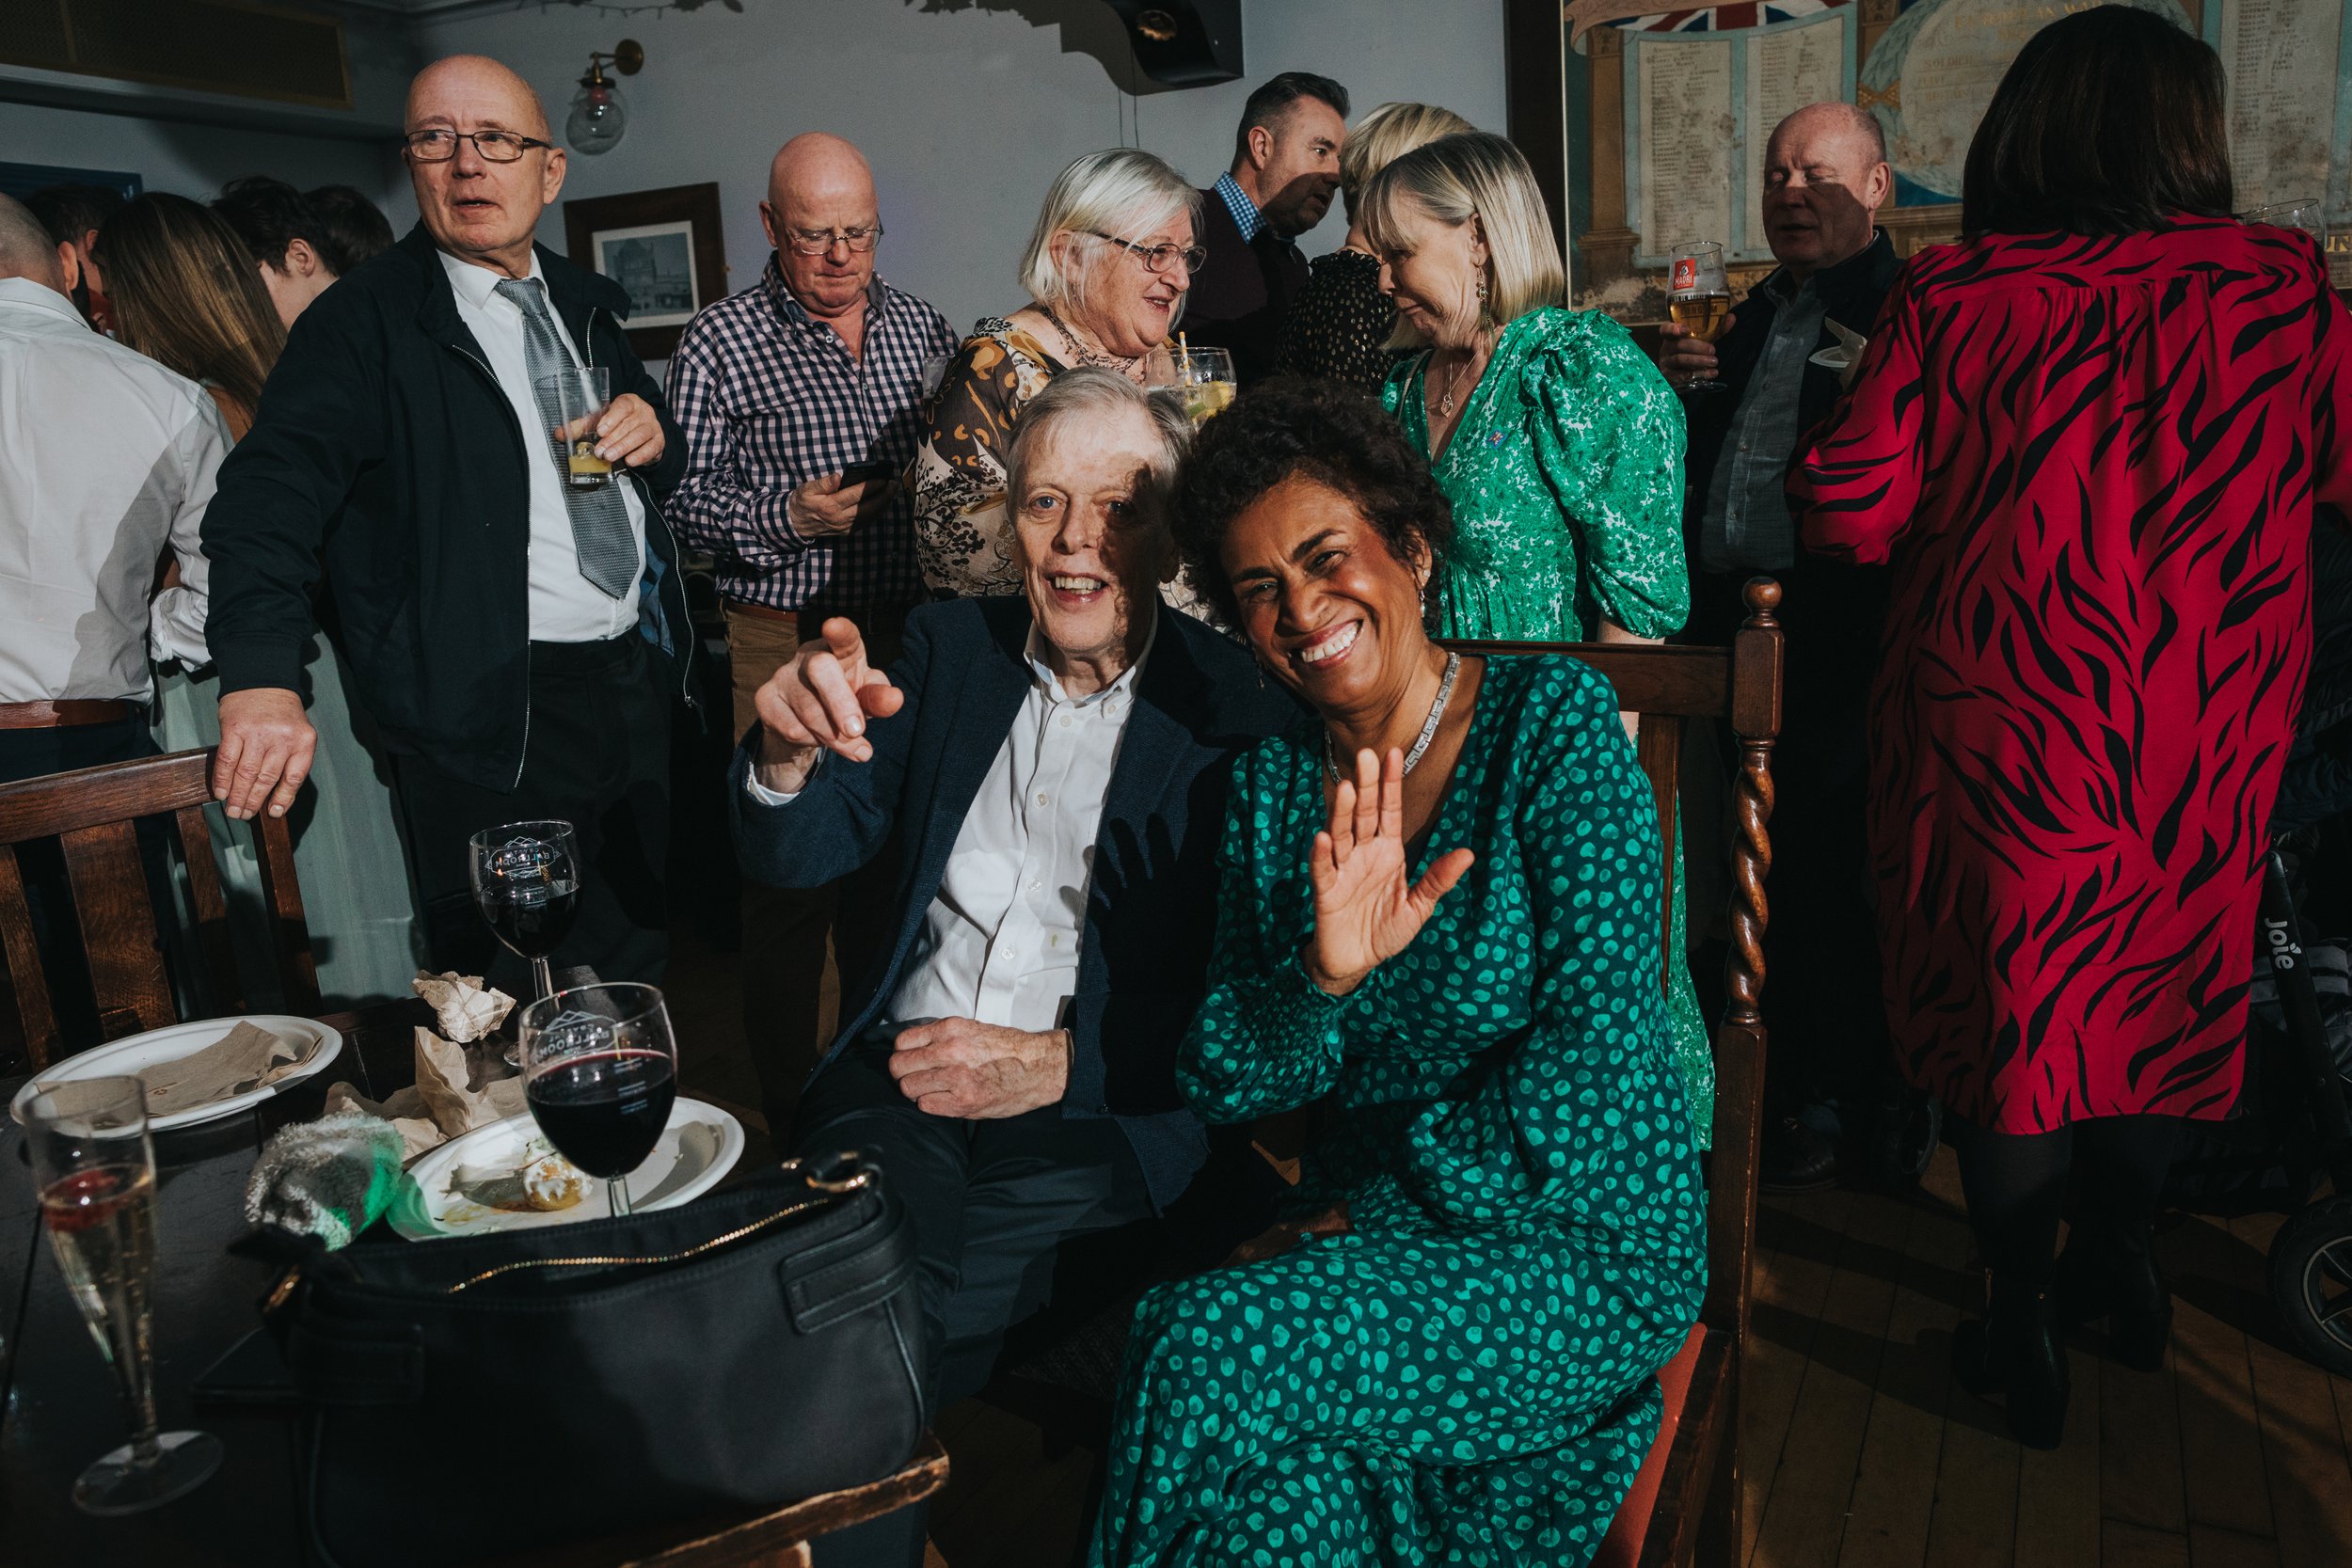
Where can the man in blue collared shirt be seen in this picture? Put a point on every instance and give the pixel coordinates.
(800, 399)
(1286, 165)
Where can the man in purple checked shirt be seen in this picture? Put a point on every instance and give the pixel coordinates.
(799, 399)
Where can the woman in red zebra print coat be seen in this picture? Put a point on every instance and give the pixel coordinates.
(2089, 438)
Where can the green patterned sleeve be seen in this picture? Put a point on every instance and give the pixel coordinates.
(1608, 436)
(1583, 1120)
(1267, 1037)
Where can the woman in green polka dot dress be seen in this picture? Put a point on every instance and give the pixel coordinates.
(1556, 440)
(1447, 1352)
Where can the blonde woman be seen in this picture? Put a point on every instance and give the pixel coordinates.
(1106, 269)
(184, 292)
(1340, 324)
(1554, 438)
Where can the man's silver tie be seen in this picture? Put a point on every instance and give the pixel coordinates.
(607, 555)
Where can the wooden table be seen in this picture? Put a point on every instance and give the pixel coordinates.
(60, 1407)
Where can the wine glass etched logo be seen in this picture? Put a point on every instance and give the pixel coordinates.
(524, 859)
(577, 1034)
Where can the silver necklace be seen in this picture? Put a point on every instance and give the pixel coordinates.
(1428, 728)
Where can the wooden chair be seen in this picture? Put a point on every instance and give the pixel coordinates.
(93, 814)
(1685, 1505)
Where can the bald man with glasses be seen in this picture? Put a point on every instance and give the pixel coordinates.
(800, 402)
(520, 642)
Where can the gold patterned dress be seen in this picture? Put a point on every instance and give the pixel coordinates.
(1566, 477)
(962, 534)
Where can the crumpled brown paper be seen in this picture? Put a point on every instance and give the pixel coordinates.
(247, 1058)
(441, 1104)
(467, 1009)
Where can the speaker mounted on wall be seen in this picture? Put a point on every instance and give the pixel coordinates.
(1185, 44)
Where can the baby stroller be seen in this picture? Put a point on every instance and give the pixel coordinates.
(2297, 1132)
(2296, 1126)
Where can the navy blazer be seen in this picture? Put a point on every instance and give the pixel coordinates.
(1150, 917)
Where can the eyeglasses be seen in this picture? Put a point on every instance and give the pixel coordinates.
(439, 145)
(1159, 258)
(816, 241)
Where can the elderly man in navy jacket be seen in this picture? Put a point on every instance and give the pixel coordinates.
(1051, 774)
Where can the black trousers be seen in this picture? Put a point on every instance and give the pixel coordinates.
(598, 757)
(995, 1206)
(2017, 1185)
(1822, 994)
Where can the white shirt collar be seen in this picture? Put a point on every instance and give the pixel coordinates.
(1125, 686)
(24, 292)
(477, 285)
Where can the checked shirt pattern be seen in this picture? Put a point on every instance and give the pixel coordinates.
(770, 398)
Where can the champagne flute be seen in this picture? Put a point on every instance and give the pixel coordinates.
(1698, 297)
(601, 1074)
(95, 1167)
(526, 883)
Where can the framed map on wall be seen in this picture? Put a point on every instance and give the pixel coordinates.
(1663, 114)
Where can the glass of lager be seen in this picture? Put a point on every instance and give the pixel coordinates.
(1698, 296)
(581, 393)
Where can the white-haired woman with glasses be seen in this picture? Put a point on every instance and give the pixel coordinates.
(1554, 438)
(1106, 269)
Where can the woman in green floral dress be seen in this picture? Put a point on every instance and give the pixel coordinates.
(1447, 1352)
(1555, 438)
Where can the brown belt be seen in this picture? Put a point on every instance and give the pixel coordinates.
(764, 612)
(53, 715)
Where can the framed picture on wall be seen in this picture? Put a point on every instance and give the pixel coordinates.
(664, 246)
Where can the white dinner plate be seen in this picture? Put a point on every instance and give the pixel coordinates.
(463, 1188)
(129, 1058)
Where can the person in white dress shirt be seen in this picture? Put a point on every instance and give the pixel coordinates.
(1042, 779)
(110, 463)
(519, 642)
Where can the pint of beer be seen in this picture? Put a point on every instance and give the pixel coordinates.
(1698, 296)
(578, 397)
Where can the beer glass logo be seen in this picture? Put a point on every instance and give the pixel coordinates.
(1686, 273)
(523, 859)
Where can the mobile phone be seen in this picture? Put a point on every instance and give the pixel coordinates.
(866, 473)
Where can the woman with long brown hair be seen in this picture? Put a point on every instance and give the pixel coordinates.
(185, 293)
(193, 301)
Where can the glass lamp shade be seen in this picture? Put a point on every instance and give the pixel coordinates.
(598, 118)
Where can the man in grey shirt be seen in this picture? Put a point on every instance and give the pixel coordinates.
(1825, 176)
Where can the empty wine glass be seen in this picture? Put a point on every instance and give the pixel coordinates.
(95, 1167)
(601, 1074)
(2302, 213)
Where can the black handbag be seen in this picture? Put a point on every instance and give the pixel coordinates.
(468, 1400)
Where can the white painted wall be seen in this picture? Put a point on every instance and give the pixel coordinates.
(195, 160)
(967, 109)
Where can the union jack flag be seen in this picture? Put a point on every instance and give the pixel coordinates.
(1718, 19)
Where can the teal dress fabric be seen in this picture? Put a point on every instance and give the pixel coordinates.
(1468, 1375)
(355, 897)
(1566, 478)
(1565, 475)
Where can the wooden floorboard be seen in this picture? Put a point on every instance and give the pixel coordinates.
(1801, 1238)
(1805, 1512)
(1860, 1450)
